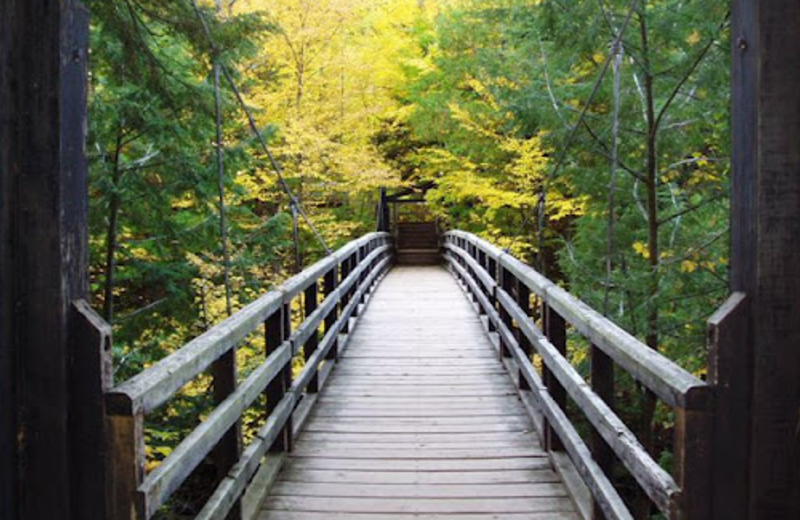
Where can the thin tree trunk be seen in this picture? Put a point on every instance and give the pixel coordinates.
(111, 234)
(612, 185)
(648, 399)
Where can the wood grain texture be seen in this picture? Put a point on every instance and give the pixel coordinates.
(419, 420)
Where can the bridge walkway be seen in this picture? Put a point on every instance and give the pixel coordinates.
(419, 420)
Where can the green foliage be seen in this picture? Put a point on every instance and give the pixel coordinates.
(474, 98)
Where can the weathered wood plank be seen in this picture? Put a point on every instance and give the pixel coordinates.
(421, 438)
(233, 486)
(166, 478)
(463, 454)
(441, 427)
(420, 505)
(658, 484)
(423, 465)
(155, 386)
(412, 491)
(666, 379)
(387, 477)
(422, 400)
(310, 515)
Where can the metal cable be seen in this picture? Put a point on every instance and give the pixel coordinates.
(278, 170)
(570, 141)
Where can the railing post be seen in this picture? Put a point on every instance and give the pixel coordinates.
(507, 283)
(329, 286)
(367, 249)
(692, 463)
(602, 379)
(556, 331)
(492, 270)
(383, 212)
(278, 325)
(729, 376)
(355, 260)
(126, 463)
(524, 302)
(227, 452)
(309, 306)
(344, 271)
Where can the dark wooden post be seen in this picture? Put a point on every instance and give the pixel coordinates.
(506, 282)
(277, 330)
(762, 427)
(227, 452)
(524, 302)
(310, 305)
(49, 364)
(331, 279)
(383, 213)
(555, 328)
(492, 269)
(602, 378)
(345, 273)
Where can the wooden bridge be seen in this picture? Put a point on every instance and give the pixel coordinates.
(423, 393)
(403, 438)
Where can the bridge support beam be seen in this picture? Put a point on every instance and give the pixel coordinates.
(759, 374)
(51, 343)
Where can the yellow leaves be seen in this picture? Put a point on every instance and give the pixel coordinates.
(141, 253)
(483, 92)
(641, 249)
(693, 38)
(185, 202)
(688, 266)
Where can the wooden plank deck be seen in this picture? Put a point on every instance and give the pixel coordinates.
(419, 420)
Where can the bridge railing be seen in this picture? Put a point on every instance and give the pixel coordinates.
(502, 286)
(347, 278)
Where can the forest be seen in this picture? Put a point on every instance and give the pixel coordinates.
(234, 142)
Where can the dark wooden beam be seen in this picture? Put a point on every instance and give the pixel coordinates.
(43, 208)
(8, 416)
(765, 254)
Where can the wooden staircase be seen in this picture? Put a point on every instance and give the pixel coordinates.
(418, 243)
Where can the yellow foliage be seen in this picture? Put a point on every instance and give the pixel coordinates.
(641, 248)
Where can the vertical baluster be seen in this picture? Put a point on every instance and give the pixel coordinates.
(310, 296)
(345, 299)
(278, 325)
(471, 252)
(226, 453)
(330, 282)
(524, 302)
(355, 259)
(365, 273)
(492, 268)
(507, 284)
(125, 433)
(486, 292)
(556, 331)
(602, 379)
(692, 463)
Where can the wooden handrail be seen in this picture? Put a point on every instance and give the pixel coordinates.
(137, 495)
(494, 278)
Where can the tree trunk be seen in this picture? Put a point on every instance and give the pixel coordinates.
(648, 402)
(111, 234)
